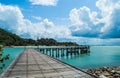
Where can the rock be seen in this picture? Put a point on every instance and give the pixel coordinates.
(116, 75)
(105, 67)
(113, 71)
(98, 72)
(102, 76)
(105, 73)
(118, 72)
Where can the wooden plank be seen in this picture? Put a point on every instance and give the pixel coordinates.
(32, 64)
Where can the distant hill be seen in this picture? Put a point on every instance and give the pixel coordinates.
(9, 39)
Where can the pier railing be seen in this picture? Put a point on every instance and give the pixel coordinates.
(57, 51)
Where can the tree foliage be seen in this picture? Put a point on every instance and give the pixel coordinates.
(9, 39)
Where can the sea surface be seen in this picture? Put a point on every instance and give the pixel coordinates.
(14, 52)
(99, 56)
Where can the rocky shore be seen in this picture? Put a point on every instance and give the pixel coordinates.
(105, 72)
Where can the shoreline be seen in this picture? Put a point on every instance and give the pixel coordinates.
(105, 72)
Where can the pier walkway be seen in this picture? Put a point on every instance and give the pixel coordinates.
(33, 64)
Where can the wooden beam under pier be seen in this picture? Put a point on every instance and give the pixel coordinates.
(58, 51)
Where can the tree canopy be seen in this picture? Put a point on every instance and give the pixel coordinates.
(9, 39)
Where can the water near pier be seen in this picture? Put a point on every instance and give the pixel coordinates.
(14, 52)
(99, 56)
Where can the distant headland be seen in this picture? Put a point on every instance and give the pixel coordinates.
(9, 39)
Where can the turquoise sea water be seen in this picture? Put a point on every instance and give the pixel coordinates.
(98, 57)
(14, 52)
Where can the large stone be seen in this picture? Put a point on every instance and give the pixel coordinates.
(105, 73)
(102, 76)
(118, 72)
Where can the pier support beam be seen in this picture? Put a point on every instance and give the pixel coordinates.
(59, 51)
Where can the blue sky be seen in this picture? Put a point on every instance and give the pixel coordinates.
(61, 10)
(93, 22)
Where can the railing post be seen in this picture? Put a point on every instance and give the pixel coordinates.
(66, 51)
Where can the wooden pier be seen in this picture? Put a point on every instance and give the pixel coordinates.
(33, 64)
(60, 51)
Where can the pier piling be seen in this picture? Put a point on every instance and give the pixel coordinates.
(60, 51)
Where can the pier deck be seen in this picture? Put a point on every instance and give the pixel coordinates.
(32, 64)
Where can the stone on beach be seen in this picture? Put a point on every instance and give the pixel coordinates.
(102, 76)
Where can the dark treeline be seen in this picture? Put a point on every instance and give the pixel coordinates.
(9, 39)
(53, 42)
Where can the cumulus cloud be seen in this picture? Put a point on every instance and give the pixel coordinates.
(102, 24)
(11, 18)
(110, 11)
(44, 2)
(83, 22)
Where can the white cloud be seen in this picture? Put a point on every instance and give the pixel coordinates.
(37, 18)
(12, 18)
(103, 24)
(83, 22)
(110, 11)
(97, 41)
(44, 2)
